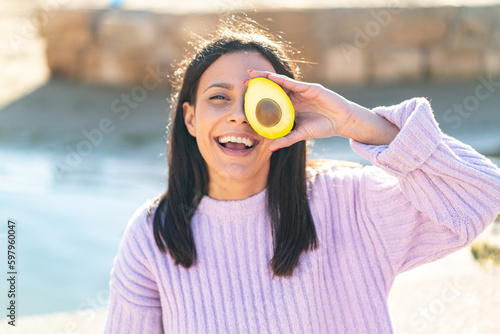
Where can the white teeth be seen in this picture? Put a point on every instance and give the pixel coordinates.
(240, 140)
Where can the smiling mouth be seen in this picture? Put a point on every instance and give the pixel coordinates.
(236, 143)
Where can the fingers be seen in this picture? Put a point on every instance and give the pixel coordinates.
(282, 80)
(255, 73)
(291, 138)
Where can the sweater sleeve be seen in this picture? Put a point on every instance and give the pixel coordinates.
(427, 194)
(134, 304)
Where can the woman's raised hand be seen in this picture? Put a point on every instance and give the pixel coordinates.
(320, 113)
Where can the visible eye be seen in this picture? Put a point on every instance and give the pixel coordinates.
(217, 97)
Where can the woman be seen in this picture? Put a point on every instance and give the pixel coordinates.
(245, 241)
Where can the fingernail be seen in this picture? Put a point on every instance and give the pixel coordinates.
(249, 71)
(245, 81)
(267, 75)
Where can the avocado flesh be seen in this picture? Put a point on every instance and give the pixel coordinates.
(268, 108)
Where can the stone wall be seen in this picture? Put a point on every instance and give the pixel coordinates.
(347, 46)
(22, 50)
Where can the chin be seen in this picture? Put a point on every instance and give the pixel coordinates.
(237, 173)
(240, 171)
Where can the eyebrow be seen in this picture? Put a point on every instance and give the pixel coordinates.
(221, 85)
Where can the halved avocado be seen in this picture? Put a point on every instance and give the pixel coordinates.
(268, 109)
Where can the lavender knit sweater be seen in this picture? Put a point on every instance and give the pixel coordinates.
(426, 196)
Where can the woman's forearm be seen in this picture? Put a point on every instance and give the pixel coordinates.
(367, 127)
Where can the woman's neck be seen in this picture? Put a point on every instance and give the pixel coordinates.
(231, 190)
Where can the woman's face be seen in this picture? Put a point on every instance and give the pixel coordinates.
(233, 151)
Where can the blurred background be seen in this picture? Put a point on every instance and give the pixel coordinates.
(84, 94)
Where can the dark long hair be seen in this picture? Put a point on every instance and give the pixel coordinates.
(291, 220)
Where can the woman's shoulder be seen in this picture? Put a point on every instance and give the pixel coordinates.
(141, 220)
(331, 169)
(325, 173)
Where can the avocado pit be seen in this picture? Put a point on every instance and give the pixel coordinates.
(268, 112)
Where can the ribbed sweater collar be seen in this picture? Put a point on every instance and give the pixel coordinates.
(233, 209)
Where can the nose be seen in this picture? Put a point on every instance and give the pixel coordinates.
(237, 114)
